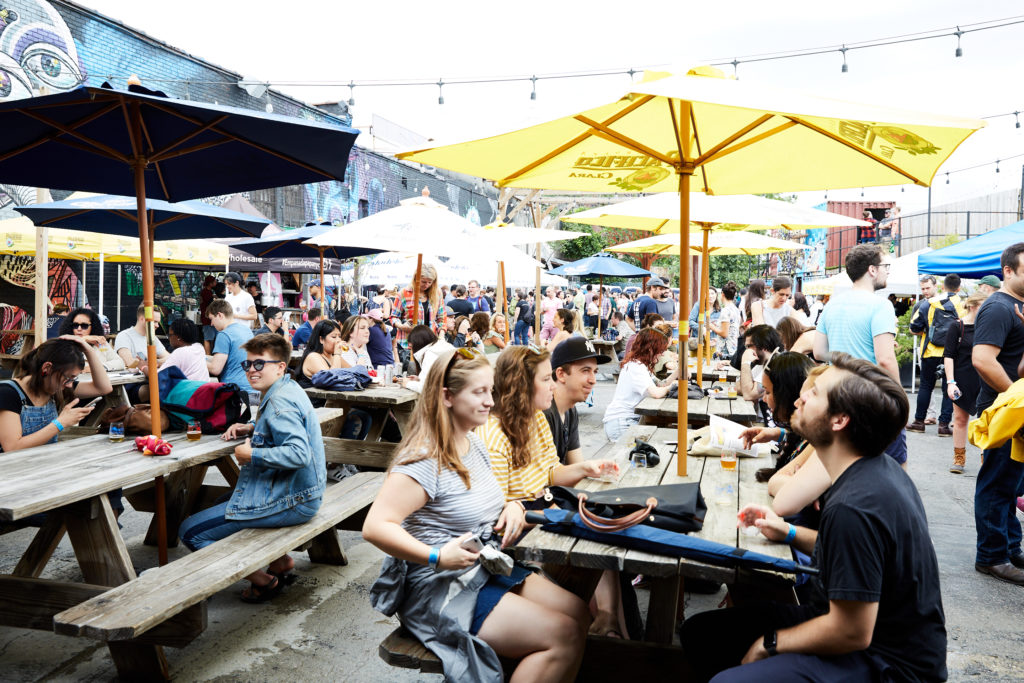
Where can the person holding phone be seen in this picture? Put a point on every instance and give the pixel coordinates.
(439, 494)
(33, 410)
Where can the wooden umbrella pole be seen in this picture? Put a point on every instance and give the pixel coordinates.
(600, 305)
(702, 314)
(684, 298)
(146, 256)
(323, 285)
(416, 291)
(504, 299)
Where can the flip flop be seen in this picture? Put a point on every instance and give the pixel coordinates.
(286, 578)
(258, 594)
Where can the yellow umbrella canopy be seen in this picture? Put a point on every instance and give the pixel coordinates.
(18, 238)
(721, 243)
(703, 132)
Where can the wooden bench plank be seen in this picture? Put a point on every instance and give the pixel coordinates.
(133, 608)
(376, 454)
(403, 650)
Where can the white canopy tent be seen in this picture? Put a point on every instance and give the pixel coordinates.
(903, 279)
(397, 268)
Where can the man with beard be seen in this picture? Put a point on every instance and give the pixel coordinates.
(863, 324)
(879, 615)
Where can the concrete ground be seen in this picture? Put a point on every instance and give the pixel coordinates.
(323, 627)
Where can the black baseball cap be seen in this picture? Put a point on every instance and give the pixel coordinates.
(574, 349)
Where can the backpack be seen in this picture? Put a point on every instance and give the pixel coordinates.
(942, 319)
(215, 405)
(528, 315)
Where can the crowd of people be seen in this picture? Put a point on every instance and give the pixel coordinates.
(489, 435)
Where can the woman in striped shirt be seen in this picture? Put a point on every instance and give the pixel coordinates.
(438, 493)
(517, 436)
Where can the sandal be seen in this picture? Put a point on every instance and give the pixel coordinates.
(259, 594)
(286, 578)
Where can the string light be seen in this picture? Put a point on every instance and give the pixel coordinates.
(1016, 117)
(533, 93)
(351, 94)
(440, 91)
(959, 50)
(997, 165)
(845, 68)
(947, 177)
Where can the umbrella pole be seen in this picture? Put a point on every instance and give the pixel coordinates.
(416, 291)
(100, 302)
(323, 284)
(504, 299)
(684, 296)
(702, 310)
(146, 247)
(600, 306)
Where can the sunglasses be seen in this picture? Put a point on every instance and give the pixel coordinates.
(81, 326)
(535, 349)
(461, 352)
(257, 364)
(768, 363)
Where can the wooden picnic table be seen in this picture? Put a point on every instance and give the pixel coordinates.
(578, 562)
(664, 411)
(379, 401)
(710, 373)
(118, 397)
(610, 349)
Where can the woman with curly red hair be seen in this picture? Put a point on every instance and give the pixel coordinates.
(517, 436)
(637, 381)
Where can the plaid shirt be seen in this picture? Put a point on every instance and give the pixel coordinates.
(403, 308)
(868, 233)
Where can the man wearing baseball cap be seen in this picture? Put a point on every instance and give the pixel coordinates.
(989, 284)
(574, 364)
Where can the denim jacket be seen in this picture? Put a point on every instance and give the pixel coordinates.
(288, 464)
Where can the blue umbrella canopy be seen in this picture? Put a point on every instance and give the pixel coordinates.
(89, 138)
(289, 244)
(118, 215)
(599, 265)
(973, 258)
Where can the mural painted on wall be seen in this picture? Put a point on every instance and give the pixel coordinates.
(18, 273)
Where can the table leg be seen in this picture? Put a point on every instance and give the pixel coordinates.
(41, 548)
(403, 416)
(661, 611)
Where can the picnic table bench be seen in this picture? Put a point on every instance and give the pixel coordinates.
(663, 412)
(71, 487)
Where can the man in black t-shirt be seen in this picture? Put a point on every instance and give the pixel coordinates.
(880, 616)
(574, 363)
(459, 304)
(998, 347)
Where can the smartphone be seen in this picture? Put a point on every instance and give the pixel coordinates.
(93, 403)
(473, 544)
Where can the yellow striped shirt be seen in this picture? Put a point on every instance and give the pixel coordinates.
(524, 482)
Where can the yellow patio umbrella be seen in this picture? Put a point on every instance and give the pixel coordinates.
(18, 238)
(707, 133)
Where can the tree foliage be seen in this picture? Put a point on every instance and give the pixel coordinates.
(582, 247)
(739, 268)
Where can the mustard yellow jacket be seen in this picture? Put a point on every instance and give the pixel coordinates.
(1001, 421)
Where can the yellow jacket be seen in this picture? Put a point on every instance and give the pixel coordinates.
(928, 349)
(1001, 421)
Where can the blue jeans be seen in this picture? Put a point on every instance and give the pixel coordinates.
(613, 429)
(210, 525)
(521, 333)
(995, 506)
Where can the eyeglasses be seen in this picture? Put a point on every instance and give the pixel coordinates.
(461, 352)
(81, 326)
(535, 349)
(257, 364)
(887, 266)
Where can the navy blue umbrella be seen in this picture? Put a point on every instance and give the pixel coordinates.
(140, 143)
(117, 215)
(975, 257)
(289, 244)
(600, 265)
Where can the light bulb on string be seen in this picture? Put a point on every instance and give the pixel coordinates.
(862, 192)
(947, 179)
(351, 95)
(735, 68)
(997, 165)
(1016, 116)
(845, 68)
(959, 50)
(533, 94)
(440, 91)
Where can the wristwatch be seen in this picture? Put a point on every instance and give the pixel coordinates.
(771, 643)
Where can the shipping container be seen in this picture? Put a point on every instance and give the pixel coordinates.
(840, 240)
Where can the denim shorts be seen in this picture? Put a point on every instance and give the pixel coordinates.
(614, 428)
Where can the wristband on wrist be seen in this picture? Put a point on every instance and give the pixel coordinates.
(950, 381)
(782, 434)
(434, 558)
(56, 423)
(791, 535)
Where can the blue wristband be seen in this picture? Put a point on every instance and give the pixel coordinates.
(434, 558)
(782, 434)
(56, 423)
(791, 535)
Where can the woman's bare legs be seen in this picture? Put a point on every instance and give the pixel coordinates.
(959, 425)
(551, 648)
(607, 602)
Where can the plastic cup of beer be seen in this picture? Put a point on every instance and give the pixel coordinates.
(116, 432)
(728, 460)
(732, 390)
(723, 376)
(194, 431)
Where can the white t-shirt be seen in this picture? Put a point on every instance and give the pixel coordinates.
(354, 356)
(634, 381)
(191, 360)
(136, 343)
(773, 316)
(240, 303)
(731, 314)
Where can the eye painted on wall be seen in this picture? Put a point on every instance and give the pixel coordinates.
(51, 66)
(13, 85)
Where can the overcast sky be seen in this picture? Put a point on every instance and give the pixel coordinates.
(320, 40)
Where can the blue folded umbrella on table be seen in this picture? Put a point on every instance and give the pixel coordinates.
(653, 540)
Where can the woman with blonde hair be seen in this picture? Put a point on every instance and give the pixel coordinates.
(355, 334)
(495, 340)
(427, 296)
(439, 493)
(517, 436)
